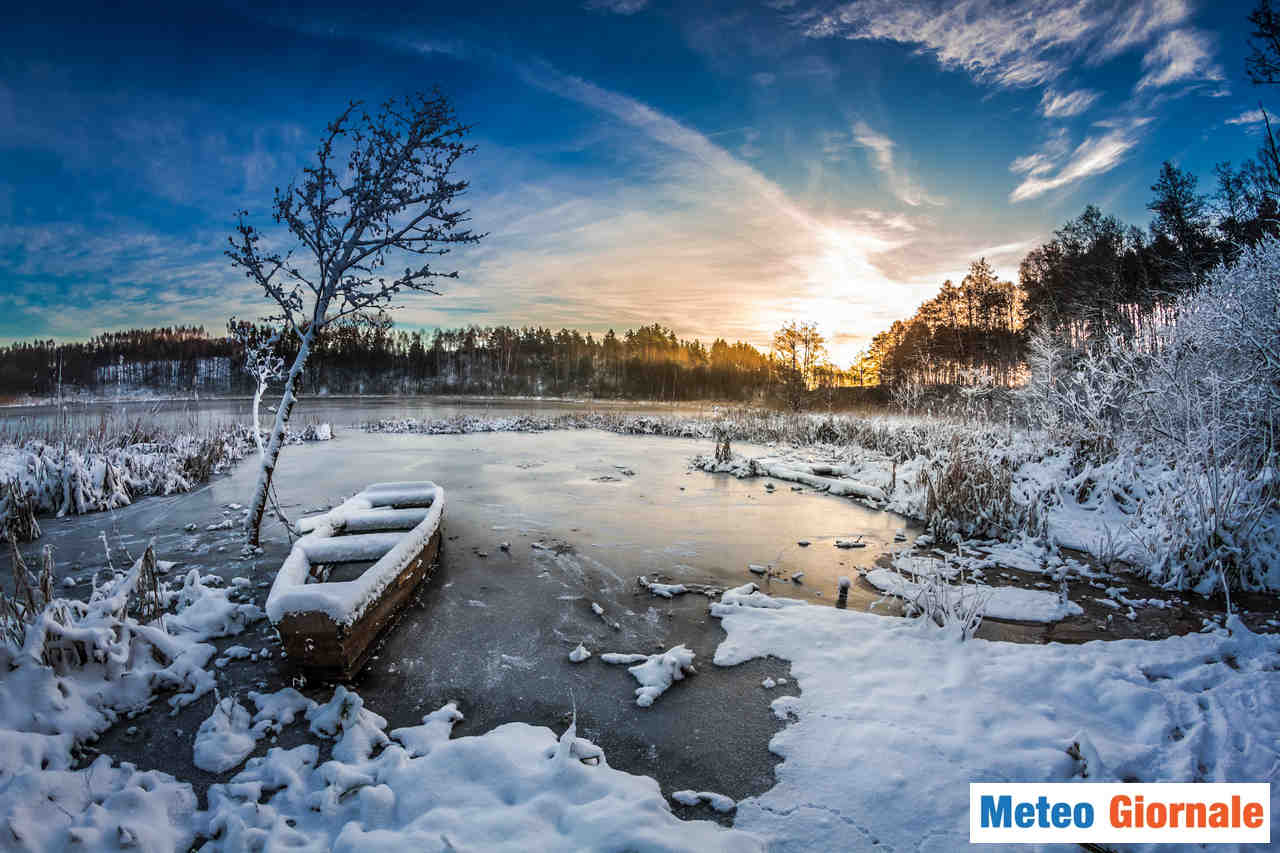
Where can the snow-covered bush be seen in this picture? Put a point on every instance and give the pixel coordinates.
(954, 607)
(82, 472)
(969, 492)
(1197, 398)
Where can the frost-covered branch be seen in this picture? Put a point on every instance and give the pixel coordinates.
(382, 186)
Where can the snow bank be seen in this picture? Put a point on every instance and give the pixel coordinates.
(515, 788)
(82, 666)
(896, 717)
(998, 602)
(345, 602)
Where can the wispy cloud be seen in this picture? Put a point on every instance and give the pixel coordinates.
(69, 281)
(618, 7)
(1042, 160)
(1179, 56)
(1026, 42)
(1138, 22)
(1051, 168)
(1018, 44)
(1248, 117)
(882, 157)
(836, 147)
(1066, 104)
(1037, 44)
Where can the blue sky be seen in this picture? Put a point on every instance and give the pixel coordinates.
(716, 167)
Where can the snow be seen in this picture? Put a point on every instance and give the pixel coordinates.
(999, 602)
(579, 654)
(208, 613)
(896, 717)
(515, 788)
(350, 549)
(435, 729)
(665, 590)
(279, 709)
(345, 601)
(344, 717)
(99, 808)
(719, 802)
(225, 739)
(621, 658)
(748, 595)
(656, 673)
(81, 667)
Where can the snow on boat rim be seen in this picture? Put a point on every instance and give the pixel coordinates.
(371, 509)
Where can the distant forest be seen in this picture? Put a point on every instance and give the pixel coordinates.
(649, 363)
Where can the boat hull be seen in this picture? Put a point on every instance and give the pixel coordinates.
(314, 641)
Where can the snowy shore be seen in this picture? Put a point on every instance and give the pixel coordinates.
(870, 759)
(86, 473)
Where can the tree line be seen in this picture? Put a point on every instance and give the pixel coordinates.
(650, 362)
(1097, 277)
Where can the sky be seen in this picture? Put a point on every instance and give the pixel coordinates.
(716, 167)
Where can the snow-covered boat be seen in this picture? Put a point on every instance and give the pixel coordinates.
(330, 624)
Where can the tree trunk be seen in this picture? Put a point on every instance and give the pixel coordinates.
(254, 522)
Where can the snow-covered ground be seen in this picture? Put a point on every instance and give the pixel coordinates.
(895, 717)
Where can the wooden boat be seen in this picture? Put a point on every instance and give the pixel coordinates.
(332, 625)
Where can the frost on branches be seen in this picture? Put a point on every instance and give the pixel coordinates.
(381, 188)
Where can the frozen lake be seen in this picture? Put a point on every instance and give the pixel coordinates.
(340, 411)
(494, 631)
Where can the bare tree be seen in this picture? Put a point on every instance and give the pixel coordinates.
(260, 362)
(381, 187)
(1263, 64)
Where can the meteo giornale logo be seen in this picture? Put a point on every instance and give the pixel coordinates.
(1188, 813)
